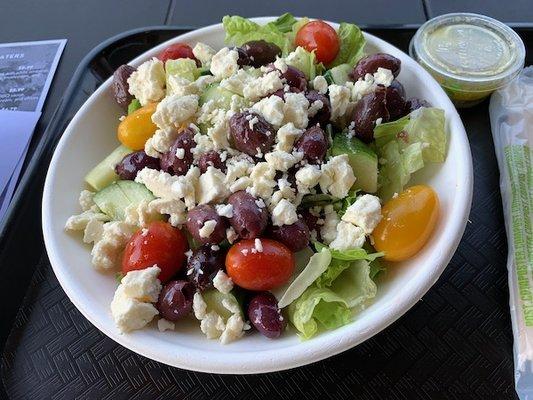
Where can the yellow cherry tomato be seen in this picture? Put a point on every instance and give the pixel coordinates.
(137, 128)
(407, 223)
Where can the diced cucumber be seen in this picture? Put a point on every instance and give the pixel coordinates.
(104, 173)
(339, 74)
(363, 161)
(214, 301)
(182, 67)
(221, 97)
(135, 191)
(112, 201)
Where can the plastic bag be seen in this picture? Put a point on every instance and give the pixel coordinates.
(511, 118)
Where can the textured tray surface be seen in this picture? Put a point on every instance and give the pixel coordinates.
(456, 343)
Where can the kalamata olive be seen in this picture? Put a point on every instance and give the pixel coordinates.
(205, 225)
(367, 110)
(132, 163)
(295, 236)
(261, 52)
(120, 85)
(265, 315)
(295, 78)
(175, 300)
(312, 222)
(251, 133)
(371, 63)
(244, 58)
(203, 265)
(281, 92)
(416, 103)
(211, 158)
(323, 114)
(395, 100)
(249, 219)
(179, 158)
(314, 144)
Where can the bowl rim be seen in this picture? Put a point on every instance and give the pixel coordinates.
(320, 347)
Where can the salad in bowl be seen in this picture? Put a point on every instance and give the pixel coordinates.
(262, 185)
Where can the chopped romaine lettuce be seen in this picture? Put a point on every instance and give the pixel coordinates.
(284, 23)
(406, 144)
(320, 199)
(354, 284)
(303, 60)
(352, 44)
(134, 105)
(349, 255)
(317, 264)
(240, 30)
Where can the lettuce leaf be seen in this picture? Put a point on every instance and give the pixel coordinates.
(352, 44)
(354, 284)
(283, 23)
(303, 60)
(240, 30)
(349, 255)
(406, 145)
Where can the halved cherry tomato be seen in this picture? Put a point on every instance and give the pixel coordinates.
(134, 130)
(176, 51)
(407, 223)
(259, 270)
(160, 243)
(321, 37)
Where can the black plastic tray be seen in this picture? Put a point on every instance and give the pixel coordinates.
(456, 343)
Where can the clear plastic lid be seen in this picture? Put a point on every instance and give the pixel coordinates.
(469, 48)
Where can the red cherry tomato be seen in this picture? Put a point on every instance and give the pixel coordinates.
(160, 244)
(176, 51)
(319, 36)
(259, 270)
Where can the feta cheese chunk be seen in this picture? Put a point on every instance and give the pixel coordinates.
(79, 222)
(142, 284)
(286, 136)
(164, 325)
(328, 231)
(263, 86)
(173, 110)
(129, 313)
(203, 53)
(383, 76)
(211, 186)
(263, 182)
(107, 251)
(348, 237)
(175, 209)
(93, 231)
(160, 142)
(207, 228)
(141, 214)
(341, 105)
(224, 210)
(157, 182)
(296, 110)
(365, 212)
(271, 109)
(337, 176)
(222, 282)
(307, 177)
(224, 63)
(147, 83)
(320, 84)
(86, 200)
(284, 213)
(236, 82)
(281, 160)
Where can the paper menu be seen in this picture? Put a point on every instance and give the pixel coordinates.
(26, 73)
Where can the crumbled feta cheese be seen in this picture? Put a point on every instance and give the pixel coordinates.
(185, 187)
(203, 53)
(262, 86)
(79, 222)
(129, 313)
(383, 76)
(263, 182)
(281, 160)
(147, 83)
(281, 65)
(175, 209)
(158, 182)
(180, 153)
(86, 200)
(107, 251)
(142, 284)
(320, 84)
(207, 228)
(315, 107)
(173, 110)
(236, 82)
(179, 86)
(365, 212)
(211, 186)
(231, 235)
(224, 210)
(258, 245)
(93, 231)
(224, 62)
(328, 231)
(284, 213)
(271, 109)
(362, 87)
(141, 214)
(199, 306)
(160, 142)
(234, 329)
(341, 105)
(286, 136)
(307, 177)
(348, 237)
(337, 176)
(222, 282)
(395, 195)
(296, 110)
(164, 325)
(240, 184)
(219, 134)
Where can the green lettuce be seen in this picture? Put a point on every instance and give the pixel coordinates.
(406, 145)
(352, 44)
(305, 61)
(240, 30)
(349, 255)
(134, 106)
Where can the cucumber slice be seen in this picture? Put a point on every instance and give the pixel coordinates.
(213, 299)
(221, 97)
(363, 161)
(135, 192)
(182, 67)
(104, 173)
(112, 201)
(339, 74)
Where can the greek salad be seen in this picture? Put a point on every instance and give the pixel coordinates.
(263, 186)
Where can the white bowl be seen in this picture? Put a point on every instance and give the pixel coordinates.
(91, 136)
